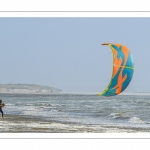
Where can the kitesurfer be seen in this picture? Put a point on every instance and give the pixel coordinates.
(1, 105)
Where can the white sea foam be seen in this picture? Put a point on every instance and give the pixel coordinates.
(136, 120)
(117, 115)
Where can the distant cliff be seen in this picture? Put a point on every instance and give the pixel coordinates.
(27, 89)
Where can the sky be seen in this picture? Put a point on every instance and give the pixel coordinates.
(66, 53)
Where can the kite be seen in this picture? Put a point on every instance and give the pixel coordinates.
(123, 69)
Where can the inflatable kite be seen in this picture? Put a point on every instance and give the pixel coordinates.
(123, 68)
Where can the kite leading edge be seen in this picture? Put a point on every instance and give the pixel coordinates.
(123, 68)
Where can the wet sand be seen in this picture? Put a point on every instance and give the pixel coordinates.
(22, 124)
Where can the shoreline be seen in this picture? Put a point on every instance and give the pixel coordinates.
(68, 94)
(26, 124)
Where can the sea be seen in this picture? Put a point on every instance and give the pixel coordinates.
(85, 110)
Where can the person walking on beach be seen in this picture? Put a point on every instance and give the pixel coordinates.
(1, 106)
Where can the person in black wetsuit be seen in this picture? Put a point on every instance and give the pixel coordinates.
(1, 105)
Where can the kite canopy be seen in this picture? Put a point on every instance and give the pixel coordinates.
(123, 68)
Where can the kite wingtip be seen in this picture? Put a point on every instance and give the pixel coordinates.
(105, 44)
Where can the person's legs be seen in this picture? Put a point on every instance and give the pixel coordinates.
(1, 112)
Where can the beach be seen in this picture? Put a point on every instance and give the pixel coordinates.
(24, 124)
(75, 114)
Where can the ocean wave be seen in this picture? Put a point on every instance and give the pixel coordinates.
(117, 115)
(8, 104)
(88, 106)
(136, 120)
(28, 104)
(18, 103)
